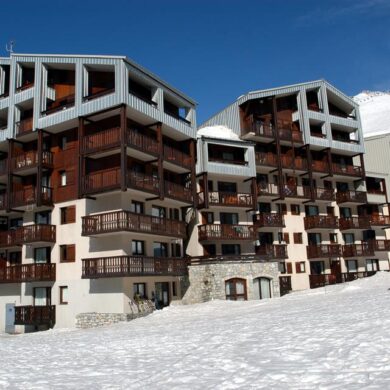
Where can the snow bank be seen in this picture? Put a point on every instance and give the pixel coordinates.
(330, 338)
(221, 132)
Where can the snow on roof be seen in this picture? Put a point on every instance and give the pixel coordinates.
(221, 132)
(374, 107)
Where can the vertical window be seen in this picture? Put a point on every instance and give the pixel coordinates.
(282, 208)
(298, 238)
(209, 250)
(43, 217)
(68, 214)
(63, 295)
(283, 238)
(235, 289)
(158, 211)
(137, 207)
(174, 214)
(289, 268)
(15, 258)
(352, 266)
(174, 290)
(63, 178)
(229, 218)
(317, 267)
(282, 267)
(138, 247)
(139, 290)
(64, 142)
(160, 249)
(175, 249)
(67, 253)
(295, 209)
(300, 267)
(333, 238)
(41, 296)
(42, 255)
(372, 265)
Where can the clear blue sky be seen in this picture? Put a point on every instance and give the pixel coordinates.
(217, 50)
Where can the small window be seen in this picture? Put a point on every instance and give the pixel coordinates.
(352, 266)
(282, 267)
(207, 218)
(298, 238)
(333, 238)
(229, 218)
(63, 295)
(282, 208)
(209, 250)
(289, 268)
(283, 238)
(300, 267)
(295, 209)
(372, 265)
(64, 142)
(235, 289)
(139, 290)
(63, 178)
(175, 249)
(42, 255)
(230, 249)
(137, 207)
(138, 247)
(174, 214)
(67, 253)
(160, 249)
(68, 214)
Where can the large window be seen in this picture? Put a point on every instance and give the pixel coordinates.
(230, 249)
(42, 255)
(138, 247)
(372, 265)
(229, 218)
(160, 249)
(317, 267)
(235, 289)
(139, 290)
(43, 217)
(352, 266)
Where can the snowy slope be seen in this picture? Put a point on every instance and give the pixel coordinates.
(374, 112)
(330, 338)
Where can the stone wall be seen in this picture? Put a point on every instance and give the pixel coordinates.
(207, 281)
(95, 320)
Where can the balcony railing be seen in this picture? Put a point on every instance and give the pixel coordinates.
(102, 140)
(30, 160)
(321, 222)
(35, 315)
(226, 232)
(320, 166)
(177, 191)
(28, 234)
(293, 191)
(141, 141)
(262, 129)
(218, 259)
(120, 266)
(227, 199)
(119, 221)
(351, 197)
(29, 195)
(143, 182)
(99, 94)
(267, 189)
(102, 180)
(349, 170)
(272, 252)
(24, 126)
(28, 273)
(381, 245)
(177, 156)
(290, 162)
(379, 220)
(354, 223)
(268, 159)
(355, 250)
(323, 250)
(287, 133)
(269, 220)
(60, 104)
(326, 194)
(328, 279)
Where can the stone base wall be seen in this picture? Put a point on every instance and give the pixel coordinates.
(95, 320)
(207, 281)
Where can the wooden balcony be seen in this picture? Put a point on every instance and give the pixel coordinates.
(293, 191)
(323, 251)
(351, 223)
(261, 128)
(142, 142)
(347, 170)
(218, 259)
(351, 196)
(329, 279)
(266, 189)
(319, 166)
(126, 221)
(24, 126)
(29, 196)
(122, 266)
(269, 220)
(100, 181)
(226, 199)
(379, 220)
(27, 235)
(30, 160)
(321, 222)
(28, 273)
(177, 191)
(356, 250)
(287, 133)
(226, 232)
(35, 315)
(60, 104)
(323, 194)
(272, 252)
(177, 157)
(102, 140)
(295, 163)
(381, 245)
(266, 159)
(143, 182)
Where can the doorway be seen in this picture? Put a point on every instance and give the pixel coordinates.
(162, 294)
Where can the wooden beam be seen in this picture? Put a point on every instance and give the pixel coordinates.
(193, 173)
(9, 175)
(254, 192)
(81, 162)
(278, 150)
(206, 190)
(160, 167)
(123, 124)
(40, 170)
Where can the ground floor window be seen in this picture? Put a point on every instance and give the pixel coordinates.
(317, 267)
(352, 266)
(372, 265)
(230, 249)
(264, 288)
(235, 289)
(42, 296)
(139, 290)
(63, 295)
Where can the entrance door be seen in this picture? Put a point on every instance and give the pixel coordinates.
(162, 294)
(265, 288)
(335, 270)
(10, 318)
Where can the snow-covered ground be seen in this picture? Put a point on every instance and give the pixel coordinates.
(330, 338)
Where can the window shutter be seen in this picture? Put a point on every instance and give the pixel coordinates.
(71, 252)
(289, 268)
(297, 268)
(286, 238)
(71, 214)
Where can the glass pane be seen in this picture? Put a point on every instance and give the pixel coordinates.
(40, 296)
(240, 288)
(265, 291)
(41, 255)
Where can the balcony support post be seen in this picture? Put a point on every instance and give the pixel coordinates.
(206, 190)
(362, 166)
(81, 162)
(193, 173)
(123, 171)
(160, 160)
(254, 192)
(39, 171)
(329, 155)
(9, 175)
(277, 139)
(310, 171)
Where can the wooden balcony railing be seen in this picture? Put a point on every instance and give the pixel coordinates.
(351, 197)
(218, 259)
(349, 170)
(28, 273)
(29, 195)
(381, 245)
(379, 220)
(326, 194)
(143, 182)
(35, 315)
(102, 180)
(24, 86)
(329, 279)
(261, 128)
(354, 250)
(354, 223)
(3, 167)
(177, 156)
(269, 220)
(99, 94)
(119, 221)
(268, 159)
(321, 222)
(293, 191)
(30, 160)
(177, 191)
(24, 126)
(119, 266)
(286, 132)
(60, 104)
(102, 140)
(28, 234)
(226, 232)
(141, 141)
(227, 199)
(323, 250)
(320, 166)
(290, 162)
(272, 252)
(267, 189)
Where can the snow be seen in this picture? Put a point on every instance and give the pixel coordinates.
(329, 338)
(221, 132)
(374, 112)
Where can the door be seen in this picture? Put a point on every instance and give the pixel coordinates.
(265, 288)
(162, 294)
(235, 289)
(335, 270)
(10, 318)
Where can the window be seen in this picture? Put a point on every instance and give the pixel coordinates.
(282, 267)
(42, 296)
(300, 267)
(63, 295)
(298, 238)
(64, 142)
(15, 222)
(15, 258)
(227, 187)
(333, 238)
(209, 250)
(349, 238)
(283, 238)
(174, 290)
(67, 253)
(295, 209)
(158, 211)
(68, 214)
(207, 218)
(352, 266)
(160, 249)
(230, 249)
(174, 214)
(372, 265)
(317, 267)
(311, 210)
(289, 268)
(43, 217)
(137, 207)
(42, 255)
(137, 247)
(139, 289)
(282, 208)
(229, 218)
(235, 289)
(175, 249)
(314, 238)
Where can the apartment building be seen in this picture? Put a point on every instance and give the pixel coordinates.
(302, 203)
(97, 173)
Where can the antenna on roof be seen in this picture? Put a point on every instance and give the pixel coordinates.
(10, 47)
